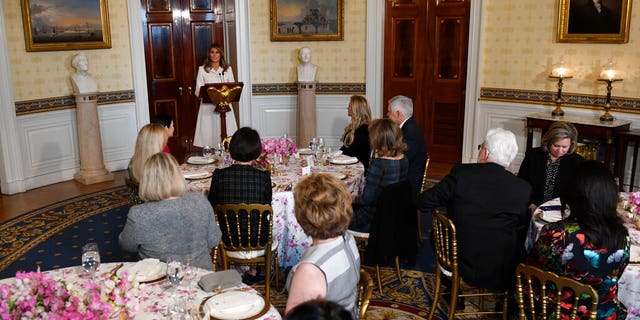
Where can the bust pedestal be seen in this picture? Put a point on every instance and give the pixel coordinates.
(92, 169)
(306, 119)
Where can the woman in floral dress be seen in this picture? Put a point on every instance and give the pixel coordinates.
(592, 245)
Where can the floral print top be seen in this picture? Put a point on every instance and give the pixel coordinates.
(562, 248)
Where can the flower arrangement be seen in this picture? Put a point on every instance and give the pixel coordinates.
(274, 147)
(632, 206)
(34, 295)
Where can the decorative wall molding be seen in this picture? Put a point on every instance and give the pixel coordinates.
(321, 88)
(546, 97)
(67, 102)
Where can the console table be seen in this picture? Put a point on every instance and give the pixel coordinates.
(586, 126)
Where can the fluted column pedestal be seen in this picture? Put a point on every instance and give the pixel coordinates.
(92, 169)
(306, 120)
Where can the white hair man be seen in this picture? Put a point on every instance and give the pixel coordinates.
(400, 110)
(488, 205)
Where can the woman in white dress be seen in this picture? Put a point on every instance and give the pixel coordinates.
(214, 70)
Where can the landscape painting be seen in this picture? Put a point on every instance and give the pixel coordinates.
(65, 24)
(306, 20)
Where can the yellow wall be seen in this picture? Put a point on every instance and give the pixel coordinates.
(338, 61)
(39, 75)
(519, 48)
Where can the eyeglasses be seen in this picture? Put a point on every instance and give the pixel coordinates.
(480, 146)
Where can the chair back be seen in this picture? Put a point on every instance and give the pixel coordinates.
(226, 142)
(424, 175)
(535, 286)
(365, 289)
(393, 230)
(445, 244)
(245, 227)
(133, 189)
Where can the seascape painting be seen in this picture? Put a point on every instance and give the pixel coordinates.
(304, 20)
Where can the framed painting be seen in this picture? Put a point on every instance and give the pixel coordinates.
(594, 21)
(307, 20)
(51, 25)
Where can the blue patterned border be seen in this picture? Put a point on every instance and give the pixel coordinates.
(321, 88)
(546, 97)
(60, 103)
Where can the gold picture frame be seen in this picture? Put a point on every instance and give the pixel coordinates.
(582, 21)
(304, 20)
(51, 25)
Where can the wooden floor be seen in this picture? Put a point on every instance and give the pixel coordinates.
(17, 204)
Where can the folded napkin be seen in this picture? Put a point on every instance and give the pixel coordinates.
(342, 159)
(146, 270)
(200, 160)
(335, 153)
(197, 175)
(234, 302)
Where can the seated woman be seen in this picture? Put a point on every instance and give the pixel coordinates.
(151, 139)
(389, 166)
(241, 182)
(172, 222)
(330, 268)
(356, 135)
(548, 167)
(167, 122)
(591, 246)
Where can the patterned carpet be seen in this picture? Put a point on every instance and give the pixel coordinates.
(51, 237)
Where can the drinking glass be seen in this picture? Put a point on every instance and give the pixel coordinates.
(206, 151)
(313, 144)
(190, 274)
(320, 143)
(175, 272)
(90, 258)
(218, 149)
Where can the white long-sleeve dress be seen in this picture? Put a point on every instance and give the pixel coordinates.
(208, 124)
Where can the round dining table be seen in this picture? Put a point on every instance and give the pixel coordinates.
(154, 296)
(292, 241)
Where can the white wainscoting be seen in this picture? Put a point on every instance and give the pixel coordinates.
(512, 116)
(274, 115)
(49, 143)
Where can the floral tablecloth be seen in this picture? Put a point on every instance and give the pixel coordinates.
(292, 241)
(155, 297)
(629, 283)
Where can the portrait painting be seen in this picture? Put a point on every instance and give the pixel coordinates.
(65, 24)
(306, 20)
(594, 21)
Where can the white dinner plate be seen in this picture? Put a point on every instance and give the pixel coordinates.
(235, 304)
(342, 159)
(339, 175)
(200, 160)
(145, 271)
(198, 175)
(305, 151)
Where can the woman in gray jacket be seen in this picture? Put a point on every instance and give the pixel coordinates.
(172, 223)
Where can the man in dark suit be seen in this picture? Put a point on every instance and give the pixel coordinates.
(488, 206)
(400, 110)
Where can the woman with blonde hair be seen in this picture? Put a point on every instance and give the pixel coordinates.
(330, 268)
(549, 167)
(152, 138)
(388, 166)
(172, 223)
(355, 139)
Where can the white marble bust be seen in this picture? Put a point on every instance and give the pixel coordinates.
(306, 69)
(82, 80)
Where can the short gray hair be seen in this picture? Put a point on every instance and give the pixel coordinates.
(501, 145)
(402, 104)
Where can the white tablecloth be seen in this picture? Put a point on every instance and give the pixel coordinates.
(292, 241)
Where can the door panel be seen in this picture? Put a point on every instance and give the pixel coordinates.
(162, 52)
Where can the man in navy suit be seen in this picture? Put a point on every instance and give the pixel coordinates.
(400, 110)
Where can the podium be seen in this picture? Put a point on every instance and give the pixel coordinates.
(221, 95)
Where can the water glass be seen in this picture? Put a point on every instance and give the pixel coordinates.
(190, 273)
(206, 151)
(90, 258)
(175, 272)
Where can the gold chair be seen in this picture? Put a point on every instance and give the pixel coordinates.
(446, 252)
(246, 238)
(547, 286)
(365, 289)
(422, 187)
(361, 242)
(226, 142)
(133, 189)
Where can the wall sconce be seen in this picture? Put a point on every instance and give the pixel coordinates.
(560, 72)
(609, 75)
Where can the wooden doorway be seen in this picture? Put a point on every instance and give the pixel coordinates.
(177, 35)
(426, 44)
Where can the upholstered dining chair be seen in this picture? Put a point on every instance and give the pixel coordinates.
(535, 285)
(446, 252)
(246, 238)
(422, 187)
(365, 289)
(392, 233)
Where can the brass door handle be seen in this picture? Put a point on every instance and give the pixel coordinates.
(180, 90)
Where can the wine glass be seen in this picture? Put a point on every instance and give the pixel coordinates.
(206, 151)
(175, 272)
(90, 258)
(190, 275)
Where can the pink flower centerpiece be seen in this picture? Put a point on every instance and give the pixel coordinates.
(273, 148)
(34, 295)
